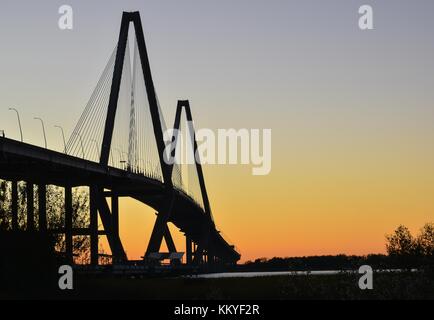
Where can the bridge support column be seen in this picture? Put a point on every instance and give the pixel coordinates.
(14, 205)
(169, 240)
(160, 229)
(30, 207)
(68, 225)
(198, 255)
(188, 251)
(115, 223)
(210, 258)
(42, 202)
(106, 216)
(93, 225)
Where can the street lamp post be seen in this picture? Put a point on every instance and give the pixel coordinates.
(43, 130)
(19, 122)
(63, 136)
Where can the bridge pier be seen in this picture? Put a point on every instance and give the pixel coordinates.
(108, 219)
(160, 229)
(93, 225)
(210, 258)
(169, 240)
(188, 250)
(115, 222)
(198, 255)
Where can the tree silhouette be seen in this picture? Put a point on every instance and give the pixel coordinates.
(425, 240)
(401, 242)
(408, 251)
(55, 209)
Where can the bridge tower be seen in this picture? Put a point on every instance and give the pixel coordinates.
(160, 229)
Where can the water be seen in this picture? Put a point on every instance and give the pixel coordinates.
(262, 274)
(278, 273)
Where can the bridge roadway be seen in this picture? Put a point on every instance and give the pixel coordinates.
(24, 162)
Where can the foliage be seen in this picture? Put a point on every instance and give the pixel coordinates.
(408, 251)
(401, 242)
(425, 240)
(55, 208)
(343, 286)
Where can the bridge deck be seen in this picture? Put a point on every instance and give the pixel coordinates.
(22, 161)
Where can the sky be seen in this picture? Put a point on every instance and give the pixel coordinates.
(351, 111)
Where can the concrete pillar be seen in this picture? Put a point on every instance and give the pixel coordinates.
(115, 221)
(94, 225)
(188, 252)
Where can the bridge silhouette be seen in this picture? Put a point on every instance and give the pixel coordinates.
(123, 112)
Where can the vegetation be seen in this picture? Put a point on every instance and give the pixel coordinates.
(407, 251)
(55, 215)
(403, 252)
(312, 263)
(344, 286)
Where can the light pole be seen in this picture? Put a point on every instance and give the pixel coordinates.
(19, 122)
(81, 142)
(43, 130)
(63, 136)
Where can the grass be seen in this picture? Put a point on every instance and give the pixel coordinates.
(341, 287)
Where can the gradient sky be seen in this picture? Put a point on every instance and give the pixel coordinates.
(351, 111)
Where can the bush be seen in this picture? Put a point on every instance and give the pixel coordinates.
(409, 252)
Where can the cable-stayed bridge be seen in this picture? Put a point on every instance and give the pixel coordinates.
(117, 149)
